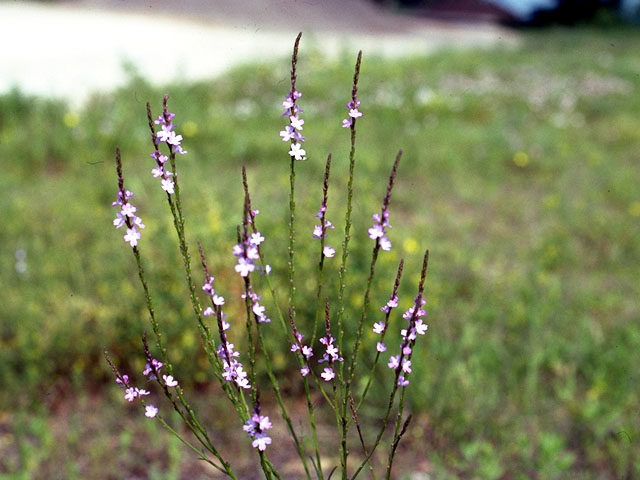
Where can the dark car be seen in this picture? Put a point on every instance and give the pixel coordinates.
(522, 12)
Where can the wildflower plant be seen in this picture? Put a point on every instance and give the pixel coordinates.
(327, 365)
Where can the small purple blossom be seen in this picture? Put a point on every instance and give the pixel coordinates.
(126, 217)
(257, 309)
(150, 369)
(292, 111)
(261, 441)
(297, 151)
(169, 381)
(394, 362)
(130, 394)
(378, 327)
(328, 251)
(402, 382)
(132, 236)
(296, 122)
(244, 267)
(168, 185)
(354, 113)
(166, 135)
(256, 427)
(150, 411)
(392, 303)
(233, 371)
(304, 371)
(331, 354)
(381, 347)
(328, 374)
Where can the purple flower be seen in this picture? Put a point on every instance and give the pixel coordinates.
(377, 231)
(378, 327)
(402, 382)
(291, 132)
(354, 113)
(169, 381)
(304, 371)
(244, 267)
(130, 394)
(127, 217)
(394, 362)
(150, 411)
(141, 392)
(288, 133)
(132, 236)
(331, 351)
(128, 210)
(328, 374)
(255, 428)
(167, 185)
(261, 441)
(256, 238)
(152, 367)
(297, 152)
(406, 365)
(233, 370)
(328, 251)
(381, 347)
(296, 122)
(218, 300)
(391, 303)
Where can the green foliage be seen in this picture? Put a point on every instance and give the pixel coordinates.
(520, 174)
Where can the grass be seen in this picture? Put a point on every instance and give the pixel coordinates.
(520, 174)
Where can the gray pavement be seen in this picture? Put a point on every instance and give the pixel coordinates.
(69, 49)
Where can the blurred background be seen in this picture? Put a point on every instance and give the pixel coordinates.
(520, 127)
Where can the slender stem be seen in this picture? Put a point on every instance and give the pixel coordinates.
(394, 295)
(397, 435)
(354, 414)
(343, 267)
(224, 469)
(292, 182)
(272, 378)
(418, 300)
(323, 229)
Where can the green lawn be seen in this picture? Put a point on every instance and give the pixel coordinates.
(521, 174)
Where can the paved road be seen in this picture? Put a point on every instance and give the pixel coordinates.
(68, 49)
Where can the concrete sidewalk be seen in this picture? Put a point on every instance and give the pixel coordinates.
(70, 49)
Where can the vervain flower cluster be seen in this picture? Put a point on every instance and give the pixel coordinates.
(330, 356)
(415, 326)
(320, 231)
(354, 113)
(166, 135)
(127, 217)
(292, 111)
(378, 231)
(381, 327)
(344, 395)
(256, 427)
(233, 371)
(152, 372)
(247, 251)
